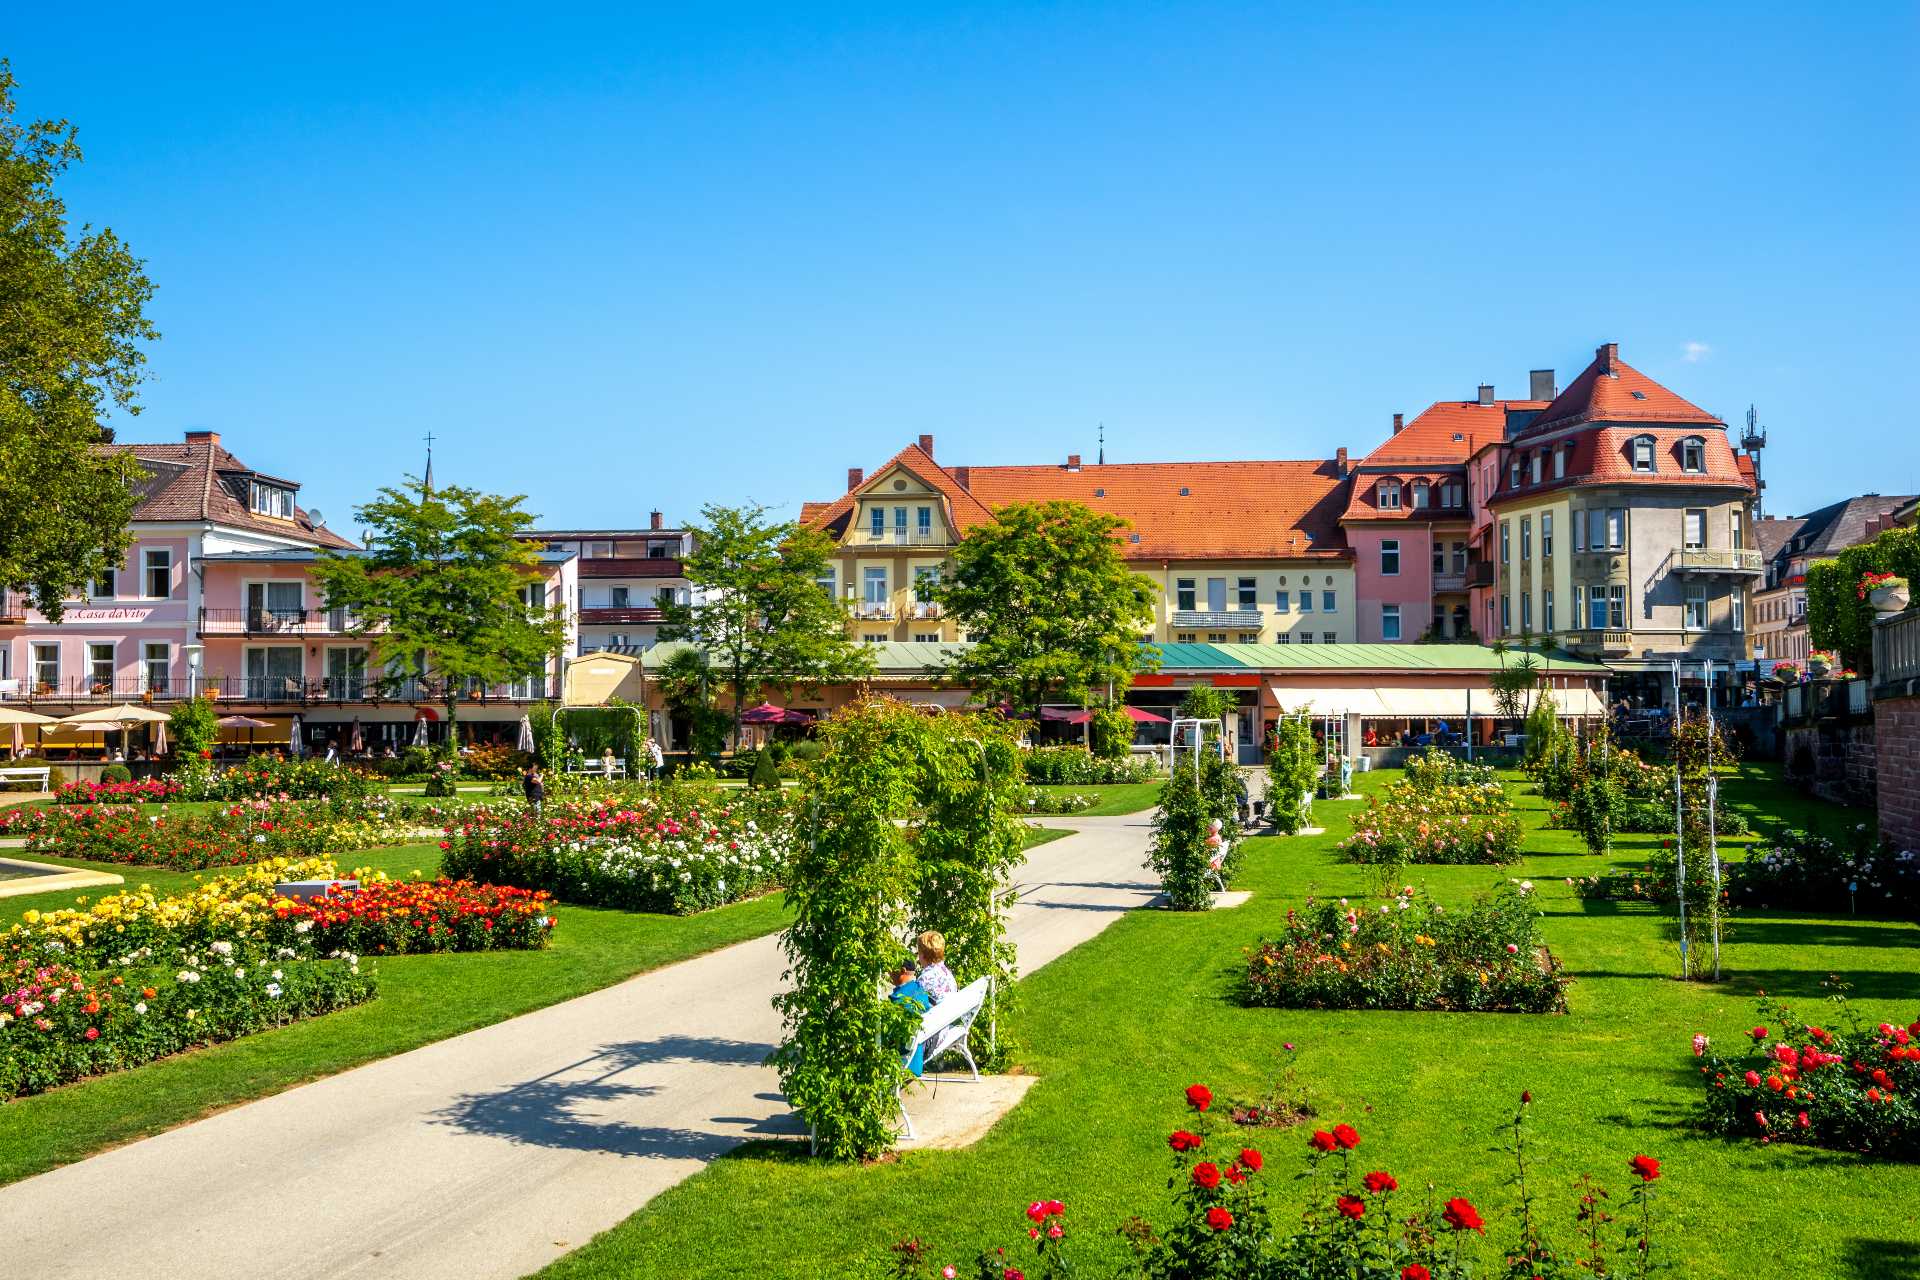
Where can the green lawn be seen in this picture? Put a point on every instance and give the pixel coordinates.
(422, 999)
(1116, 1028)
(1115, 798)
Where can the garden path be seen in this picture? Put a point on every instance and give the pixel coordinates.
(487, 1156)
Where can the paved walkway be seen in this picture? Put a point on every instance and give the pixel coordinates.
(486, 1156)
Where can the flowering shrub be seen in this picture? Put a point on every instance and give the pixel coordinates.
(1796, 1081)
(145, 791)
(1812, 873)
(1220, 1227)
(1436, 769)
(1196, 834)
(389, 917)
(1444, 824)
(1411, 953)
(679, 849)
(1649, 817)
(59, 1024)
(271, 776)
(440, 778)
(1079, 767)
(241, 832)
(1040, 800)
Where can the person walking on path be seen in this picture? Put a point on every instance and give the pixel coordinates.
(654, 760)
(534, 787)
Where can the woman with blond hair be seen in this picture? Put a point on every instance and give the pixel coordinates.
(934, 974)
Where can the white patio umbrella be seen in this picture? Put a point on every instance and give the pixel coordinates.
(20, 720)
(420, 731)
(116, 717)
(296, 746)
(525, 742)
(358, 743)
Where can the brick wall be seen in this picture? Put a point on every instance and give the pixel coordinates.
(1836, 759)
(1897, 746)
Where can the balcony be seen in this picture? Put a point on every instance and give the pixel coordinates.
(1614, 642)
(1718, 560)
(616, 617)
(1480, 573)
(902, 538)
(13, 608)
(1896, 654)
(76, 690)
(923, 611)
(632, 567)
(1222, 620)
(873, 611)
(277, 622)
(1450, 582)
(366, 689)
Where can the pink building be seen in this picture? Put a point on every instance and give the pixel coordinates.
(216, 597)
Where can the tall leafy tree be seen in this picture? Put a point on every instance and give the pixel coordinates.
(72, 318)
(1053, 610)
(758, 608)
(441, 588)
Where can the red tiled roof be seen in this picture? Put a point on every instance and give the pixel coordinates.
(1364, 502)
(1611, 390)
(1230, 510)
(185, 482)
(1600, 456)
(1430, 439)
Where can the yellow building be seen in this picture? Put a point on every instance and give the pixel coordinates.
(1243, 552)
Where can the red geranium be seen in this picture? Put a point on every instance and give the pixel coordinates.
(1322, 1140)
(1199, 1097)
(1462, 1216)
(1414, 1271)
(1206, 1174)
(1346, 1136)
(1181, 1140)
(1251, 1159)
(1351, 1207)
(1646, 1166)
(1380, 1180)
(1219, 1219)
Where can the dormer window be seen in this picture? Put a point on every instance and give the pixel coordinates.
(1389, 495)
(1538, 465)
(1560, 462)
(1422, 494)
(1641, 451)
(1513, 474)
(270, 500)
(1450, 493)
(1693, 455)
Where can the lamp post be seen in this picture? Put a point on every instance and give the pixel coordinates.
(194, 654)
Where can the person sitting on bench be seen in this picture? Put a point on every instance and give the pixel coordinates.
(935, 977)
(907, 991)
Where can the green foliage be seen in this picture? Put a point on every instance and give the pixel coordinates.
(1837, 617)
(438, 589)
(1112, 733)
(1292, 768)
(1437, 768)
(1076, 766)
(1546, 737)
(194, 727)
(758, 610)
(1699, 750)
(1594, 799)
(766, 774)
(1513, 684)
(687, 684)
(1204, 702)
(70, 344)
(1054, 612)
(1180, 850)
(116, 773)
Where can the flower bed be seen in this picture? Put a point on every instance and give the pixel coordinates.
(1442, 824)
(1411, 953)
(145, 791)
(1853, 1089)
(1436, 769)
(1079, 767)
(679, 850)
(59, 1024)
(1040, 800)
(1812, 873)
(394, 917)
(1651, 817)
(262, 776)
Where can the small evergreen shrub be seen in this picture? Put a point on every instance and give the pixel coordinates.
(765, 775)
(116, 773)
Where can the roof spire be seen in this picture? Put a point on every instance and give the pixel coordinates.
(426, 483)
(1103, 444)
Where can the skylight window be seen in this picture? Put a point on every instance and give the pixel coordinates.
(1638, 395)
(1099, 493)
(1185, 492)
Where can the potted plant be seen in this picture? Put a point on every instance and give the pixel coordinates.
(1786, 672)
(1887, 592)
(1819, 662)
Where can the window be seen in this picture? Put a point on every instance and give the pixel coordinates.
(1506, 615)
(1736, 530)
(156, 662)
(533, 596)
(1326, 637)
(899, 524)
(1249, 637)
(622, 597)
(1580, 529)
(1389, 495)
(1460, 557)
(1526, 613)
(1546, 609)
(1617, 607)
(1560, 462)
(1526, 539)
(274, 606)
(1640, 450)
(660, 550)
(347, 670)
(1422, 494)
(1389, 622)
(274, 674)
(100, 665)
(1183, 595)
(926, 637)
(159, 574)
(874, 637)
(926, 581)
(875, 578)
(1693, 455)
(1513, 474)
(1283, 638)
(1283, 601)
(1696, 606)
(1739, 611)
(1184, 637)
(924, 525)
(1579, 604)
(826, 581)
(1216, 637)
(102, 587)
(1450, 495)
(1216, 595)
(46, 665)
(1506, 542)
(663, 598)
(1248, 593)
(1329, 602)
(1546, 535)
(1439, 558)
(1597, 616)
(271, 500)
(877, 522)
(1306, 637)
(1538, 465)
(1616, 528)
(1306, 602)
(1390, 557)
(1694, 529)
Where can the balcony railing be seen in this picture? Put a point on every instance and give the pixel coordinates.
(1450, 581)
(905, 538)
(1603, 641)
(616, 616)
(632, 567)
(368, 689)
(923, 610)
(13, 608)
(1896, 654)
(1480, 573)
(1718, 560)
(1223, 619)
(276, 622)
(874, 611)
(81, 689)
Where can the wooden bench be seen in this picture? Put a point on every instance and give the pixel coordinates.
(37, 775)
(944, 1028)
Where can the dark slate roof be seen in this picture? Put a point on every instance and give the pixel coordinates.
(1839, 525)
(199, 480)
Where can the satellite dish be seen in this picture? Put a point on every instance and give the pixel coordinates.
(313, 514)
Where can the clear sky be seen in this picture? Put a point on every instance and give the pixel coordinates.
(666, 255)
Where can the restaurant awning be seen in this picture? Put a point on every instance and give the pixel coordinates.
(1408, 703)
(1344, 700)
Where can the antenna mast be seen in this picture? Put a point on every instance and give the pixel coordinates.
(1753, 440)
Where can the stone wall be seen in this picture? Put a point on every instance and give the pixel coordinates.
(1836, 759)
(1898, 745)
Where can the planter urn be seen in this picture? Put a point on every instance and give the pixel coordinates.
(1889, 599)
(1818, 667)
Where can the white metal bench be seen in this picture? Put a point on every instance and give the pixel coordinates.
(601, 769)
(945, 1027)
(38, 775)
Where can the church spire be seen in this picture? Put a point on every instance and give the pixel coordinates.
(426, 482)
(1103, 443)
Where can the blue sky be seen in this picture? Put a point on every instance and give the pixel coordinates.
(660, 256)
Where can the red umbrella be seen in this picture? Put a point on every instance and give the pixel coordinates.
(765, 713)
(1065, 715)
(1144, 717)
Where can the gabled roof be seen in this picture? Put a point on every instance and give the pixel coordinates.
(1611, 390)
(1770, 536)
(1447, 433)
(187, 482)
(1839, 525)
(963, 508)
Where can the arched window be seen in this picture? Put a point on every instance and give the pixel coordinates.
(1389, 495)
(1693, 455)
(1640, 450)
(1421, 493)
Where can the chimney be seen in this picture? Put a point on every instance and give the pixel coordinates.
(963, 476)
(1540, 385)
(1486, 393)
(1608, 357)
(656, 521)
(203, 437)
(926, 445)
(1399, 421)
(854, 476)
(1340, 460)
(1073, 462)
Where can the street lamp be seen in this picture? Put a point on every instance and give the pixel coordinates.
(194, 653)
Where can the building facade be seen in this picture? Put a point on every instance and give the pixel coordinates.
(1789, 545)
(625, 577)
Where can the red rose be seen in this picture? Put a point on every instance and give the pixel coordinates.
(1219, 1219)
(1379, 1181)
(1351, 1207)
(1414, 1271)
(1181, 1140)
(1646, 1166)
(1251, 1159)
(1345, 1135)
(1206, 1174)
(1321, 1140)
(1199, 1097)
(1758, 1034)
(1462, 1216)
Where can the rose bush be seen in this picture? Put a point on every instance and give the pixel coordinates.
(237, 833)
(303, 778)
(1443, 823)
(1079, 767)
(145, 791)
(1411, 953)
(410, 917)
(1813, 873)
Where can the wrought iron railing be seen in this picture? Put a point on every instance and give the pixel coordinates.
(1896, 652)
